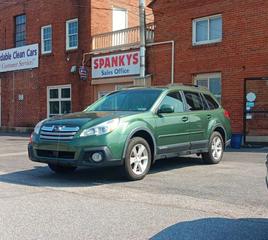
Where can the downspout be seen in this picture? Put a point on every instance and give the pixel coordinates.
(172, 42)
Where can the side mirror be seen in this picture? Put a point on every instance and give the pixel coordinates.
(166, 109)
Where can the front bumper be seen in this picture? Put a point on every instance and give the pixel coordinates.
(77, 157)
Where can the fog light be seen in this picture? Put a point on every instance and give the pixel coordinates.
(97, 157)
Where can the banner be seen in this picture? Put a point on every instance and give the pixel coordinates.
(116, 65)
(14, 59)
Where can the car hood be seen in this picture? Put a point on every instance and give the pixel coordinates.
(85, 119)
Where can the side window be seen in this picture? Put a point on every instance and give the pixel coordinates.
(194, 101)
(211, 102)
(174, 99)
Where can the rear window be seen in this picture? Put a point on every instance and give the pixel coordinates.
(211, 102)
(194, 101)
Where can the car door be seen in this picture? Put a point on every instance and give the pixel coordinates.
(171, 128)
(198, 120)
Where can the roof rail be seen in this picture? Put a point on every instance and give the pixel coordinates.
(183, 84)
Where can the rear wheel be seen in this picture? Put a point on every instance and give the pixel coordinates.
(61, 169)
(138, 159)
(215, 149)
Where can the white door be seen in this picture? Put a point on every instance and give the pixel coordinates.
(120, 21)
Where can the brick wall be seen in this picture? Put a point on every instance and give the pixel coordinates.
(54, 69)
(241, 54)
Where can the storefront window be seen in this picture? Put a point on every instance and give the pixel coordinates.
(59, 100)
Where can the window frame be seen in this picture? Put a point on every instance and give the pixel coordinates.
(194, 28)
(208, 76)
(67, 34)
(43, 40)
(59, 99)
(15, 31)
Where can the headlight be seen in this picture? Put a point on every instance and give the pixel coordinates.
(101, 129)
(38, 127)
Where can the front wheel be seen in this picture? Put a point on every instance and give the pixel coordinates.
(61, 169)
(215, 149)
(138, 159)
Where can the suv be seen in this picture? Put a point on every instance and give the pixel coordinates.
(133, 128)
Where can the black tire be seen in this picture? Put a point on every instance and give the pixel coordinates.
(60, 169)
(133, 146)
(210, 157)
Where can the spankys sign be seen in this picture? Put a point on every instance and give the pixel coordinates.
(116, 65)
(14, 59)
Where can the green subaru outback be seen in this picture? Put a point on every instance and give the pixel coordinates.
(132, 128)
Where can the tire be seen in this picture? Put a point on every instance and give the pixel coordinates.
(138, 159)
(60, 169)
(215, 149)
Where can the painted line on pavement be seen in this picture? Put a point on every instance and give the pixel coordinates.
(13, 154)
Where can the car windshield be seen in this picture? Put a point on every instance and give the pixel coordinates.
(127, 100)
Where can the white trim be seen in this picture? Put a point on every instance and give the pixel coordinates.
(194, 42)
(42, 39)
(67, 34)
(59, 99)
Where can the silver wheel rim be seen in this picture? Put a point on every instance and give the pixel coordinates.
(139, 158)
(217, 148)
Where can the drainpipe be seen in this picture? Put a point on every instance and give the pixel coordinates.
(142, 39)
(172, 42)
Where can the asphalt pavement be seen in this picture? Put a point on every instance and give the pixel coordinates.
(179, 199)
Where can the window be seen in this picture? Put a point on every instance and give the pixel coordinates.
(212, 82)
(20, 31)
(194, 101)
(211, 102)
(59, 100)
(46, 39)
(207, 30)
(72, 34)
(175, 100)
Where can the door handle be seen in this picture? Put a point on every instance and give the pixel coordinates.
(185, 119)
(209, 116)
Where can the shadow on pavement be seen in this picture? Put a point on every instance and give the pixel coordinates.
(86, 177)
(217, 229)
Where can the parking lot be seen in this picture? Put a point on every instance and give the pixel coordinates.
(180, 199)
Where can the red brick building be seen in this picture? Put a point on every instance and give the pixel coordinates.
(218, 44)
(214, 43)
(63, 31)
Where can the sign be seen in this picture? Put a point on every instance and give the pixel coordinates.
(250, 104)
(124, 64)
(83, 72)
(14, 59)
(251, 97)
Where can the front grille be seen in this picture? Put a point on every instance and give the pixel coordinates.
(55, 154)
(56, 132)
